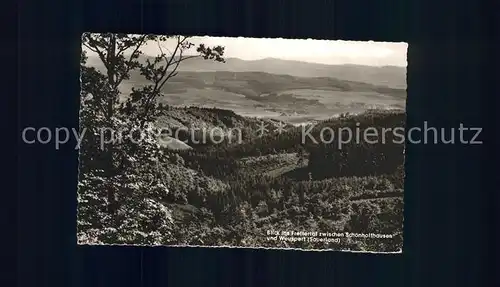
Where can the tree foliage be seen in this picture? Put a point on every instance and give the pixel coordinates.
(122, 167)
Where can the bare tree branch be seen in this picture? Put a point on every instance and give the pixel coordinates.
(92, 44)
(138, 46)
(180, 42)
(159, 81)
(162, 79)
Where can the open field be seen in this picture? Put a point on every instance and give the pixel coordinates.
(283, 97)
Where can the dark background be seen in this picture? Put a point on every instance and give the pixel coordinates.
(449, 193)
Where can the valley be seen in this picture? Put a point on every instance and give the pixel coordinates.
(276, 182)
(198, 191)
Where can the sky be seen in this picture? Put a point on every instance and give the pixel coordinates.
(307, 50)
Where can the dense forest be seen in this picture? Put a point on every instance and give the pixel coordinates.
(229, 193)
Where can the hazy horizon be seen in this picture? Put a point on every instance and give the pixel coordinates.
(328, 52)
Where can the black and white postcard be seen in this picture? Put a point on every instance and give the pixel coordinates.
(241, 142)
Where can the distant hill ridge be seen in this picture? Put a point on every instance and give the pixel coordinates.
(390, 76)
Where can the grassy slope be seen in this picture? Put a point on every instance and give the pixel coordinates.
(254, 84)
(195, 119)
(281, 97)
